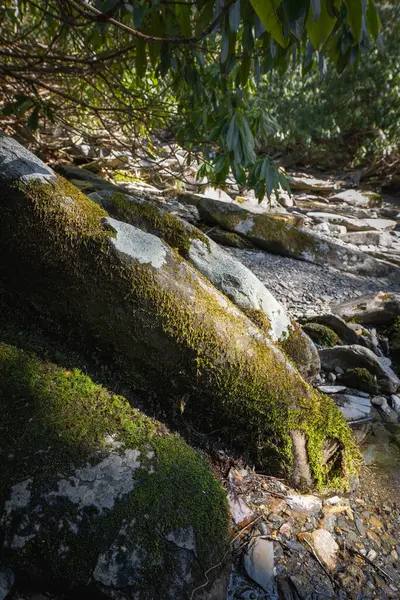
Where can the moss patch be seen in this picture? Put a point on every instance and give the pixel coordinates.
(52, 420)
(360, 379)
(322, 335)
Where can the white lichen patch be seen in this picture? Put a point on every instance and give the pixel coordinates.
(183, 538)
(245, 226)
(146, 248)
(101, 485)
(118, 566)
(20, 496)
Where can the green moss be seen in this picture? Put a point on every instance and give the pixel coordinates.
(124, 176)
(274, 233)
(233, 378)
(360, 379)
(174, 231)
(385, 297)
(322, 335)
(228, 238)
(393, 333)
(52, 421)
(259, 318)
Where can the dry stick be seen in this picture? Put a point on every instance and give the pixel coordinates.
(313, 553)
(224, 556)
(373, 564)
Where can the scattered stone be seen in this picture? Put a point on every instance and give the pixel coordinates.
(339, 326)
(325, 547)
(307, 504)
(331, 389)
(395, 403)
(353, 408)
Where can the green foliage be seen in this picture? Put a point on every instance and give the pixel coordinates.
(353, 117)
(138, 67)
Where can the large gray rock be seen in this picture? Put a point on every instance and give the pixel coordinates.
(280, 235)
(347, 357)
(356, 198)
(155, 312)
(6, 581)
(367, 238)
(371, 309)
(88, 489)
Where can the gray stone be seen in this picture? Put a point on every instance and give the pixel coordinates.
(307, 504)
(331, 389)
(357, 356)
(259, 563)
(376, 238)
(395, 403)
(353, 197)
(137, 245)
(6, 581)
(18, 163)
(370, 309)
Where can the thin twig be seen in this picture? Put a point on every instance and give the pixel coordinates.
(224, 556)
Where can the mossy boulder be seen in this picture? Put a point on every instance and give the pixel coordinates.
(142, 301)
(225, 272)
(360, 379)
(322, 335)
(278, 234)
(93, 491)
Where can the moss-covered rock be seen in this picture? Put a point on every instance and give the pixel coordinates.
(226, 273)
(91, 490)
(142, 301)
(360, 379)
(322, 335)
(278, 234)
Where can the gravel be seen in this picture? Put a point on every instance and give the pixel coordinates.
(306, 289)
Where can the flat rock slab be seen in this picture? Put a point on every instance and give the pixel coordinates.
(370, 309)
(353, 224)
(353, 407)
(331, 389)
(259, 563)
(355, 198)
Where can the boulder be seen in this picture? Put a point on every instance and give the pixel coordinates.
(259, 563)
(321, 335)
(280, 235)
(141, 301)
(362, 358)
(224, 271)
(370, 309)
(88, 488)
